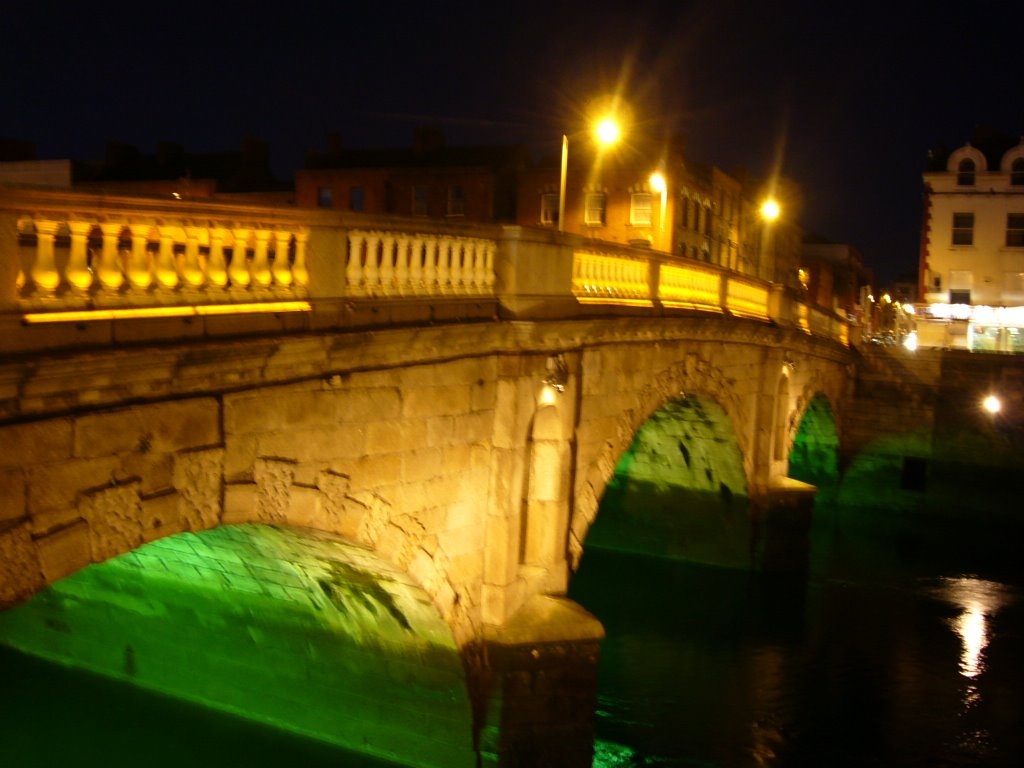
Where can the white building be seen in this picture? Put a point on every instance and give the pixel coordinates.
(972, 251)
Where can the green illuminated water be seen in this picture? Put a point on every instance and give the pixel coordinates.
(52, 715)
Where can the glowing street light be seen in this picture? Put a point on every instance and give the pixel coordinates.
(992, 404)
(606, 132)
(770, 210)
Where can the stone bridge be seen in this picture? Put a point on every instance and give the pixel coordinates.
(282, 433)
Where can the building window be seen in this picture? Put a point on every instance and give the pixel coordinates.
(324, 197)
(356, 199)
(456, 200)
(963, 229)
(549, 208)
(685, 217)
(965, 173)
(960, 283)
(1015, 230)
(1017, 172)
(594, 210)
(640, 209)
(419, 199)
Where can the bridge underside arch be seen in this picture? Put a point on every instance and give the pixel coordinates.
(680, 489)
(814, 454)
(291, 627)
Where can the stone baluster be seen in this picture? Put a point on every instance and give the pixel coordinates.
(480, 266)
(444, 254)
(416, 264)
(282, 265)
(299, 271)
(430, 264)
(387, 263)
(489, 254)
(44, 271)
(402, 265)
(110, 271)
(140, 271)
(239, 269)
(192, 268)
(455, 273)
(371, 272)
(354, 268)
(165, 268)
(216, 265)
(479, 275)
(77, 272)
(261, 274)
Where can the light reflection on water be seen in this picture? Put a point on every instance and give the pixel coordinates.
(978, 600)
(843, 667)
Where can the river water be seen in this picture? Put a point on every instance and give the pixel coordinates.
(890, 651)
(886, 652)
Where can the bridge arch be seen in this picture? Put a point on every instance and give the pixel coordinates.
(814, 454)
(292, 627)
(691, 374)
(680, 489)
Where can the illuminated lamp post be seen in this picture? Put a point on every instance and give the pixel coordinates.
(606, 133)
(658, 184)
(770, 212)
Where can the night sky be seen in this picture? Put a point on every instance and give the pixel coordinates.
(846, 99)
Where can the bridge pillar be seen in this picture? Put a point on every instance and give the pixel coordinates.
(783, 514)
(536, 687)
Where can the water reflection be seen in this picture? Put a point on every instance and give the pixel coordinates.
(979, 600)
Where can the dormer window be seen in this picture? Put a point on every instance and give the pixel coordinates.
(965, 173)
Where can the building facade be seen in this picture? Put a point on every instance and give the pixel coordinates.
(429, 180)
(972, 251)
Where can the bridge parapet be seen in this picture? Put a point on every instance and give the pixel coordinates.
(88, 259)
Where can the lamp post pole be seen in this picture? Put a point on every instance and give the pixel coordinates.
(561, 185)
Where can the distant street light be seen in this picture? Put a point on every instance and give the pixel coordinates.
(770, 210)
(606, 132)
(992, 404)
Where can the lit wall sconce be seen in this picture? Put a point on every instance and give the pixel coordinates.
(556, 376)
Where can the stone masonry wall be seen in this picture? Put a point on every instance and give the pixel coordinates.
(423, 443)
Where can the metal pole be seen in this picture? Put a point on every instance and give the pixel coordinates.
(561, 186)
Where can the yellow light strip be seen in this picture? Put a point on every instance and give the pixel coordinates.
(615, 301)
(88, 315)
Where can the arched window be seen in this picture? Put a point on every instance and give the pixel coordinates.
(965, 173)
(1017, 172)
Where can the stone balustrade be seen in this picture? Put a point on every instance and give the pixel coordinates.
(384, 263)
(610, 279)
(73, 257)
(690, 287)
(81, 260)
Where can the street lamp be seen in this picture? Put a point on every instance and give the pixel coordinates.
(606, 132)
(769, 211)
(658, 184)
